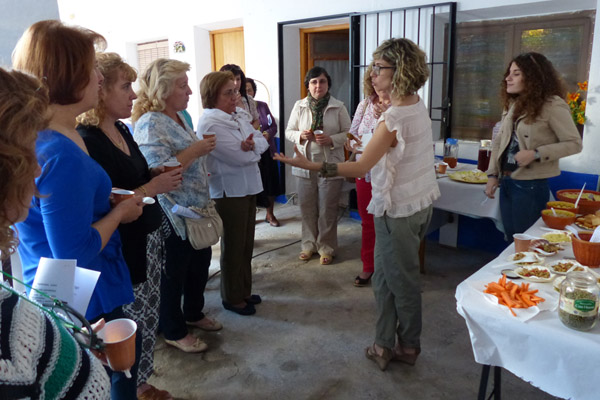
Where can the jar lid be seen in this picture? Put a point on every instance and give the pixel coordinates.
(452, 141)
(486, 143)
(581, 278)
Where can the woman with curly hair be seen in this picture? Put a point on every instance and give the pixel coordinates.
(537, 130)
(400, 158)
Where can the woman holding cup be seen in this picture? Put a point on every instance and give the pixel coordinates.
(110, 143)
(73, 219)
(163, 136)
(318, 125)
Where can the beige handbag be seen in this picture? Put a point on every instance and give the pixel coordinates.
(206, 231)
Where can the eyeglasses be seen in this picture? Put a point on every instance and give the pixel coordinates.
(231, 93)
(377, 69)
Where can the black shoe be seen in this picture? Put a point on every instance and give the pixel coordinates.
(248, 310)
(360, 282)
(253, 299)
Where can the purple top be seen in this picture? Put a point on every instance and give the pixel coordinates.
(267, 124)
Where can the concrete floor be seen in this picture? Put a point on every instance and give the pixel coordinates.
(307, 339)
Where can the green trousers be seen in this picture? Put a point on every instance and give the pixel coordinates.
(397, 280)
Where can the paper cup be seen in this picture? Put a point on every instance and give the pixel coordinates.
(121, 194)
(171, 165)
(521, 242)
(442, 167)
(119, 339)
(208, 135)
(318, 132)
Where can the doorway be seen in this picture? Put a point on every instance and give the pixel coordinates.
(227, 47)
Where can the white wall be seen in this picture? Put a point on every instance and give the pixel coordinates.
(126, 22)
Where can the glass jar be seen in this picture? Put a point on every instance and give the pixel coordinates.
(483, 158)
(578, 304)
(451, 152)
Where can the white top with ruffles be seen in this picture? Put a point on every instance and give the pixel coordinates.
(403, 180)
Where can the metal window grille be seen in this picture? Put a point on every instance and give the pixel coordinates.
(150, 51)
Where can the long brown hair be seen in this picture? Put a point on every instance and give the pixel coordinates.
(23, 104)
(541, 81)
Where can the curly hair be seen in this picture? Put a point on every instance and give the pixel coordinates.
(55, 53)
(156, 84)
(541, 81)
(411, 71)
(368, 89)
(23, 105)
(110, 65)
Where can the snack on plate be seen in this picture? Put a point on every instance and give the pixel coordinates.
(475, 176)
(557, 237)
(511, 295)
(590, 221)
(528, 257)
(563, 266)
(585, 196)
(545, 245)
(534, 272)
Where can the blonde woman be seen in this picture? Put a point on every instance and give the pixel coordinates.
(163, 135)
(400, 158)
(110, 143)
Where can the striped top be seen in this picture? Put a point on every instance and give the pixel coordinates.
(39, 358)
(403, 180)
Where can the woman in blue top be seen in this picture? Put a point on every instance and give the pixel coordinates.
(73, 218)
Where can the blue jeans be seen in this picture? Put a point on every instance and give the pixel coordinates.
(521, 203)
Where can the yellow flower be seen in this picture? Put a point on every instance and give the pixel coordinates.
(580, 119)
(583, 86)
(582, 106)
(573, 97)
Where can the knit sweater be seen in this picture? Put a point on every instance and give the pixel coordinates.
(39, 359)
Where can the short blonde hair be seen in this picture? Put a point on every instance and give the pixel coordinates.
(156, 84)
(61, 56)
(411, 71)
(210, 86)
(110, 65)
(23, 104)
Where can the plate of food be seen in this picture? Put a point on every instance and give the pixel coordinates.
(544, 247)
(526, 258)
(561, 267)
(537, 273)
(561, 237)
(474, 176)
(588, 222)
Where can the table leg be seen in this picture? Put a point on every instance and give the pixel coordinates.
(483, 383)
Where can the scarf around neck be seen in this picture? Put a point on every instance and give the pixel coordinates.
(317, 107)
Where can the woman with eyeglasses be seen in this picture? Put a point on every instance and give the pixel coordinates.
(400, 158)
(537, 130)
(244, 101)
(161, 131)
(365, 120)
(39, 358)
(318, 126)
(234, 183)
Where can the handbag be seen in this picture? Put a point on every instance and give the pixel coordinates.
(206, 231)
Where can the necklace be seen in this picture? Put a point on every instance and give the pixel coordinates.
(120, 143)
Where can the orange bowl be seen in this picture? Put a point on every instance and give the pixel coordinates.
(586, 252)
(563, 205)
(586, 206)
(558, 221)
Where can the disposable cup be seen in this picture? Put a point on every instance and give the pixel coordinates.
(318, 132)
(442, 167)
(521, 242)
(121, 194)
(208, 135)
(119, 339)
(171, 165)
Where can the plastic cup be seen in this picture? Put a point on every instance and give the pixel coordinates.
(121, 194)
(442, 167)
(171, 165)
(208, 135)
(119, 339)
(521, 242)
(318, 132)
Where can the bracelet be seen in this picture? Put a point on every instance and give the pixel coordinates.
(328, 170)
(143, 189)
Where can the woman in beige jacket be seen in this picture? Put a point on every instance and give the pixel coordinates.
(318, 125)
(537, 130)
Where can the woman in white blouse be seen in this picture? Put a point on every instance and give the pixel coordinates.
(400, 157)
(234, 182)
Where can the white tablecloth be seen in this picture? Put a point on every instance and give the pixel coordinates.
(542, 351)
